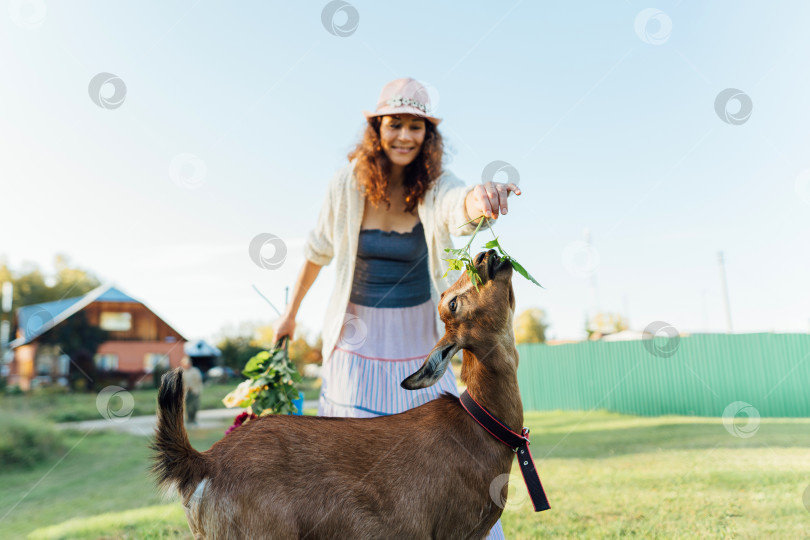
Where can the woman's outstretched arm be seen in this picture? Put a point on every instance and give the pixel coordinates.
(285, 325)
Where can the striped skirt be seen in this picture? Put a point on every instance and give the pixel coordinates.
(377, 349)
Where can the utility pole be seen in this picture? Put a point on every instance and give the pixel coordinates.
(721, 261)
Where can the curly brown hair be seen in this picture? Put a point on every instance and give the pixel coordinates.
(373, 166)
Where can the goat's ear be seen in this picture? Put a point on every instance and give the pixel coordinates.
(433, 368)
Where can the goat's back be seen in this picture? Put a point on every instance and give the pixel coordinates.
(419, 474)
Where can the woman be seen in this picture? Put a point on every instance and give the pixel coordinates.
(387, 218)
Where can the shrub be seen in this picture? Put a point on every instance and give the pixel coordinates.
(14, 390)
(24, 442)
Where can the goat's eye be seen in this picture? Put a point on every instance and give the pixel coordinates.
(452, 305)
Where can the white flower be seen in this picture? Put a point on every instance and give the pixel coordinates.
(237, 396)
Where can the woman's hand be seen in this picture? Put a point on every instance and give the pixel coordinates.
(489, 199)
(284, 326)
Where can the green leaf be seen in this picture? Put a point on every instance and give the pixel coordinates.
(252, 372)
(454, 264)
(271, 395)
(522, 271)
(474, 277)
(256, 364)
(495, 244)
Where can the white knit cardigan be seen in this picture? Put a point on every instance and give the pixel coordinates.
(337, 232)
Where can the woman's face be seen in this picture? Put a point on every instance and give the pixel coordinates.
(401, 136)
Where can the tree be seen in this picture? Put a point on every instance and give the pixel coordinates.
(531, 326)
(31, 286)
(80, 340)
(603, 324)
(75, 337)
(243, 344)
(302, 353)
(236, 351)
(71, 281)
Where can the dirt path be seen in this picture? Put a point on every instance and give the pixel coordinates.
(145, 425)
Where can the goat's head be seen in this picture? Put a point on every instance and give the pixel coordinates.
(476, 320)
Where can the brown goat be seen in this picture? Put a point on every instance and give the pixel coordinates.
(423, 473)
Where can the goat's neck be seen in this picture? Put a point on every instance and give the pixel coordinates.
(493, 382)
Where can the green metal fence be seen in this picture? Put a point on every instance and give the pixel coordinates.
(703, 375)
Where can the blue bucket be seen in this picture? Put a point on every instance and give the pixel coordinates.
(299, 404)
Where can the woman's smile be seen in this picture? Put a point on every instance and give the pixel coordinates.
(402, 136)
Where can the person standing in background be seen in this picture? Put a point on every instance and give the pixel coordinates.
(193, 382)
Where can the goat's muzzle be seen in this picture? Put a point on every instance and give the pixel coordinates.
(489, 264)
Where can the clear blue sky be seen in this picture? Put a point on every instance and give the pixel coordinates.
(609, 133)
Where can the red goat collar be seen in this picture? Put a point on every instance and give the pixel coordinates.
(518, 443)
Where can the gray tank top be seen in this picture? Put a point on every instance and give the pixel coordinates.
(391, 269)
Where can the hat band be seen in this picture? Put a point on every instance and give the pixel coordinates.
(399, 101)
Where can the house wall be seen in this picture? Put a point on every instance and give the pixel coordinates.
(22, 367)
(131, 354)
(146, 326)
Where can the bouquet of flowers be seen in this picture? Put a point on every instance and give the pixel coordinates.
(269, 387)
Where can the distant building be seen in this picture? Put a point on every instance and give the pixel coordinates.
(203, 355)
(138, 339)
(562, 341)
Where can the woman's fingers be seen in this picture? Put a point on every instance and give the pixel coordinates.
(483, 197)
(504, 190)
(285, 326)
(502, 195)
(494, 197)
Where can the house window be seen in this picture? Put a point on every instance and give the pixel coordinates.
(116, 321)
(64, 364)
(150, 360)
(106, 362)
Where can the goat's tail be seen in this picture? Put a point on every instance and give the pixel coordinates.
(175, 462)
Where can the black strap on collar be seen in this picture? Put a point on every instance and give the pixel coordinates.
(518, 443)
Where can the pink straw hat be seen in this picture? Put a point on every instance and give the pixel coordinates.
(404, 96)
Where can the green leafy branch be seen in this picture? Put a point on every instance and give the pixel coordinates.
(270, 385)
(463, 259)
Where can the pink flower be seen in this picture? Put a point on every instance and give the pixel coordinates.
(239, 420)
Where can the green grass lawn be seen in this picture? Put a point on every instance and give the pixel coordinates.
(70, 407)
(74, 406)
(606, 475)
